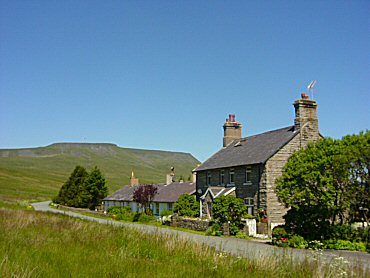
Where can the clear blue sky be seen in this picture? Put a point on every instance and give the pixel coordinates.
(165, 74)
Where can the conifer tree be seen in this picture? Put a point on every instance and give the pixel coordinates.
(69, 194)
(95, 189)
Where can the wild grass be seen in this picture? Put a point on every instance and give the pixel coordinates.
(35, 244)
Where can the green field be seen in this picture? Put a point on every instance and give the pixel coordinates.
(35, 244)
(38, 173)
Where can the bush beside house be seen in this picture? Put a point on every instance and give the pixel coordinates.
(187, 205)
(327, 187)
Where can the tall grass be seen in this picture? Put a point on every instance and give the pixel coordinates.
(34, 244)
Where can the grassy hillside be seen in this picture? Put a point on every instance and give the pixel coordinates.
(38, 173)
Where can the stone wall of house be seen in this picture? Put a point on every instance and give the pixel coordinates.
(201, 183)
(243, 189)
(188, 223)
(273, 170)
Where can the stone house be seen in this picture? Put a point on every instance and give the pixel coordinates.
(248, 167)
(167, 195)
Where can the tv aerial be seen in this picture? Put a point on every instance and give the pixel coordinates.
(310, 87)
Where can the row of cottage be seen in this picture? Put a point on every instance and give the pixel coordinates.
(244, 167)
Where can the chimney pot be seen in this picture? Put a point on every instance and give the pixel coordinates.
(232, 130)
(304, 96)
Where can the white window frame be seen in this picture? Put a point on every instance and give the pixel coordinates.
(222, 177)
(156, 208)
(232, 174)
(249, 203)
(248, 175)
(209, 178)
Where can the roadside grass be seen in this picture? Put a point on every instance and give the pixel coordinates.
(35, 244)
(16, 204)
(151, 223)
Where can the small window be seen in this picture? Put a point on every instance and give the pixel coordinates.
(222, 177)
(248, 174)
(232, 176)
(156, 208)
(170, 206)
(249, 202)
(209, 178)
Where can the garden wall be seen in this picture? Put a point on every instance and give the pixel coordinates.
(187, 223)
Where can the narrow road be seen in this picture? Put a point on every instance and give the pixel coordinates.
(237, 247)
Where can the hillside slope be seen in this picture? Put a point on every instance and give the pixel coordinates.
(38, 173)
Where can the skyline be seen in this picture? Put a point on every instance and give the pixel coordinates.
(165, 75)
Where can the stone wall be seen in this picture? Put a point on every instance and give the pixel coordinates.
(274, 168)
(243, 189)
(187, 223)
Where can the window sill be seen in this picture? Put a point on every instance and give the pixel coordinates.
(247, 183)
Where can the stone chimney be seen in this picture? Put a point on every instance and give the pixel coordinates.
(232, 130)
(170, 178)
(306, 118)
(133, 181)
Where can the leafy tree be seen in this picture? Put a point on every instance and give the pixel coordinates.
(144, 195)
(229, 208)
(69, 194)
(187, 205)
(326, 183)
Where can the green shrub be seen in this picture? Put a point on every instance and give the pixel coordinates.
(143, 217)
(280, 236)
(341, 244)
(234, 229)
(297, 241)
(315, 245)
(279, 232)
(121, 213)
(361, 234)
(281, 242)
(242, 235)
(344, 232)
(214, 230)
(166, 213)
(113, 210)
(229, 209)
(187, 205)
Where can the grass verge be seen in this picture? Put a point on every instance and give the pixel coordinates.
(35, 244)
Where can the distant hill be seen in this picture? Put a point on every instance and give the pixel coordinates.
(38, 173)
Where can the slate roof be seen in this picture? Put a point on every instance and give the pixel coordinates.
(165, 194)
(171, 192)
(254, 149)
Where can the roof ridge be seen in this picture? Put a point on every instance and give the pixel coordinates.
(270, 131)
